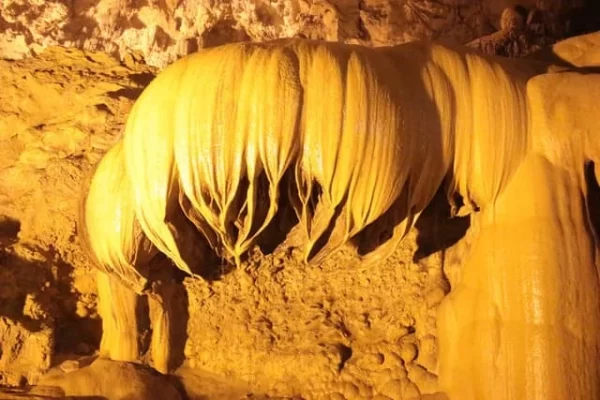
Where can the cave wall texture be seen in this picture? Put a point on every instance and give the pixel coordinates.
(275, 325)
(161, 31)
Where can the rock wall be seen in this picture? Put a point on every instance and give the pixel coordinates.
(59, 113)
(161, 31)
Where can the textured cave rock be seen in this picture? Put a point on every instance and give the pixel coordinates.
(345, 331)
(161, 31)
(59, 113)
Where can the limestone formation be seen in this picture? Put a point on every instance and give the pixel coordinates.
(345, 325)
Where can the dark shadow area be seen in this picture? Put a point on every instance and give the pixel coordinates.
(80, 27)
(142, 316)
(178, 385)
(380, 231)
(142, 78)
(125, 21)
(592, 180)
(223, 32)
(192, 45)
(583, 19)
(41, 392)
(180, 314)
(438, 230)
(345, 355)
(129, 93)
(162, 38)
(212, 265)
(283, 221)
(198, 251)
(9, 231)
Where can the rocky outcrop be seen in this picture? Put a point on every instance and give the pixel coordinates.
(59, 112)
(523, 31)
(161, 31)
(26, 351)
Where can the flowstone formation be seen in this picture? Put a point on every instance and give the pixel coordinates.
(261, 144)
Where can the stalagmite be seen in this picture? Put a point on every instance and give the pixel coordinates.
(160, 314)
(117, 305)
(124, 255)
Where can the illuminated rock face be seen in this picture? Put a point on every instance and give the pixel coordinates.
(522, 321)
(279, 330)
(60, 113)
(163, 31)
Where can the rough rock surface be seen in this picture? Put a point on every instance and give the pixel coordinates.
(26, 350)
(162, 31)
(523, 30)
(59, 113)
(336, 329)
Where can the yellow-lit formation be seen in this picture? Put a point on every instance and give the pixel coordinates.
(111, 228)
(360, 132)
(358, 125)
